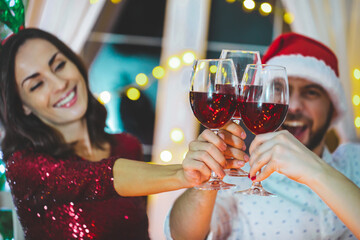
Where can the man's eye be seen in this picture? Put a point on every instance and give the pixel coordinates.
(60, 66)
(36, 86)
(313, 93)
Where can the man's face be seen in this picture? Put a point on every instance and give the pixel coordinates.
(310, 112)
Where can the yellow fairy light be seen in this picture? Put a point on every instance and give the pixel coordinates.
(289, 18)
(166, 156)
(93, 1)
(188, 57)
(230, 1)
(141, 79)
(133, 94)
(116, 1)
(356, 100)
(213, 69)
(265, 8)
(158, 72)
(104, 97)
(357, 122)
(174, 62)
(176, 135)
(249, 4)
(357, 73)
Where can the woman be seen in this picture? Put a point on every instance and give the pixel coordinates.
(70, 179)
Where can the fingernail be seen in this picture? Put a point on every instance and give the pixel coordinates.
(239, 163)
(243, 135)
(221, 135)
(249, 175)
(246, 158)
(253, 178)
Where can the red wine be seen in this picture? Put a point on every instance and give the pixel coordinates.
(213, 110)
(230, 89)
(262, 117)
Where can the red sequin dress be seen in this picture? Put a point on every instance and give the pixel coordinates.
(75, 198)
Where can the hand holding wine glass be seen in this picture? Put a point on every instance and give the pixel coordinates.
(264, 100)
(213, 101)
(241, 59)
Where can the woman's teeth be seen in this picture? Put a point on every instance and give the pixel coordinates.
(66, 100)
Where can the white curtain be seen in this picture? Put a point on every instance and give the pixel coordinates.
(70, 20)
(335, 23)
(185, 28)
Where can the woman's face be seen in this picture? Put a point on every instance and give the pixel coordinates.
(50, 85)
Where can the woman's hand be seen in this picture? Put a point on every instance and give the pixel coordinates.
(209, 153)
(283, 153)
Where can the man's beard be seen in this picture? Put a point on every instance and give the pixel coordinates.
(316, 137)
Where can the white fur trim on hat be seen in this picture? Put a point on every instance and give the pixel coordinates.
(317, 71)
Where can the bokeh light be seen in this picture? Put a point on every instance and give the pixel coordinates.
(116, 1)
(230, 1)
(249, 4)
(158, 72)
(133, 93)
(141, 79)
(188, 57)
(213, 69)
(289, 17)
(357, 73)
(166, 156)
(104, 97)
(357, 122)
(356, 100)
(174, 62)
(177, 135)
(265, 8)
(93, 1)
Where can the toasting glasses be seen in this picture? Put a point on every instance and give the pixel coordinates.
(264, 101)
(241, 59)
(213, 99)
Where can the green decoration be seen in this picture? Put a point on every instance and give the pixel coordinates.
(12, 14)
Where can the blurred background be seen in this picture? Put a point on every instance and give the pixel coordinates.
(140, 52)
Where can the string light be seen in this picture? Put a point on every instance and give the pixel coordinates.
(141, 79)
(289, 18)
(133, 94)
(265, 9)
(104, 97)
(230, 1)
(356, 100)
(177, 135)
(174, 62)
(166, 156)
(188, 57)
(357, 122)
(158, 72)
(357, 73)
(249, 4)
(116, 1)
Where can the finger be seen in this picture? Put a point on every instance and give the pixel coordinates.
(198, 171)
(235, 129)
(236, 153)
(212, 164)
(232, 139)
(266, 172)
(211, 149)
(258, 161)
(209, 136)
(234, 163)
(262, 138)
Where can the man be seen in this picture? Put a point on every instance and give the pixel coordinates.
(316, 198)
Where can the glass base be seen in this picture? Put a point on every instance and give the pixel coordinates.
(256, 189)
(215, 184)
(233, 172)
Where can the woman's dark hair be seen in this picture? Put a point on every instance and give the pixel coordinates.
(28, 131)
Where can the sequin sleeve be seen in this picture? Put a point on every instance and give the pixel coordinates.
(41, 178)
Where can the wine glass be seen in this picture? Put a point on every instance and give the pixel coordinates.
(213, 101)
(241, 59)
(264, 101)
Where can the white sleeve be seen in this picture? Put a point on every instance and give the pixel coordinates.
(224, 215)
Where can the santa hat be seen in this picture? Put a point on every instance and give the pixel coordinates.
(307, 58)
